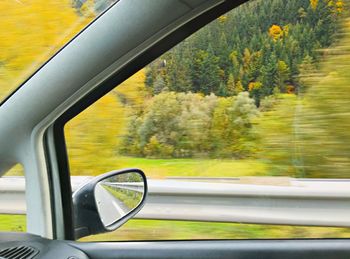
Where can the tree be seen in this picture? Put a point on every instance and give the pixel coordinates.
(302, 13)
(268, 47)
(307, 71)
(275, 32)
(246, 58)
(238, 87)
(313, 4)
(222, 91)
(269, 76)
(253, 70)
(206, 72)
(86, 138)
(235, 63)
(159, 85)
(230, 86)
(232, 124)
(28, 40)
(178, 68)
(282, 75)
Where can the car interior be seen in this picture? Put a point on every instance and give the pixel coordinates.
(107, 52)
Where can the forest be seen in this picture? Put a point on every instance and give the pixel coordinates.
(261, 47)
(215, 94)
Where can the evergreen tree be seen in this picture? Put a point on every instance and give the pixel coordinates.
(260, 41)
(230, 87)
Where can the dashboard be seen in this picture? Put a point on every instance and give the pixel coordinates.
(28, 246)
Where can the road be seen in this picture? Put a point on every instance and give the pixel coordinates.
(109, 206)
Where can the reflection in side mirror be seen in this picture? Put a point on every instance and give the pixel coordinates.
(108, 201)
(117, 195)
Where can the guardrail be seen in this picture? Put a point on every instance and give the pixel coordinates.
(301, 202)
(137, 187)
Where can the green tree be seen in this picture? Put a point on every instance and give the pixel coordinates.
(206, 72)
(230, 87)
(282, 75)
(159, 85)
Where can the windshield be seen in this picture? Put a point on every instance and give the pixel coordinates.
(33, 30)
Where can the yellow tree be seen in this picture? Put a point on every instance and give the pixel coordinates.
(314, 4)
(276, 32)
(93, 136)
(32, 31)
(339, 6)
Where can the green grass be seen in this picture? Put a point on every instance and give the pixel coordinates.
(161, 168)
(13, 223)
(17, 170)
(137, 229)
(129, 198)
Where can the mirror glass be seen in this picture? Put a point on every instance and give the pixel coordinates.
(118, 195)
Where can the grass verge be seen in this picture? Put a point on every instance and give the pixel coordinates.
(137, 229)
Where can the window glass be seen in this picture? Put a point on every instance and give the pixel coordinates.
(33, 30)
(12, 200)
(254, 105)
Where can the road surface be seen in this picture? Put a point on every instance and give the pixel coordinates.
(110, 208)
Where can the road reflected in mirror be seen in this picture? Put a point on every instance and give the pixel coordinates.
(118, 195)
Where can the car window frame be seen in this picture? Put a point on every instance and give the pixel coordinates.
(55, 144)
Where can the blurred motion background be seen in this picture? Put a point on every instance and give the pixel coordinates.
(260, 94)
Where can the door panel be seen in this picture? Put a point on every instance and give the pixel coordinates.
(272, 249)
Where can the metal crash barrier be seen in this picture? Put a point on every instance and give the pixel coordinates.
(300, 202)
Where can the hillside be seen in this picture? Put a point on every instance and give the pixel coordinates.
(314, 124)
(260, 47)
(147, 118)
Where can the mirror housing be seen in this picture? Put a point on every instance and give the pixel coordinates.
(88, 219)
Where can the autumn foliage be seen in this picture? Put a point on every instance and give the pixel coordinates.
(276, 32)
(31, 32)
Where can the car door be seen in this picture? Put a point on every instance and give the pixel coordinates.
(115, 46)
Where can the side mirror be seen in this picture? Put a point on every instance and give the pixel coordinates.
(108, 201)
